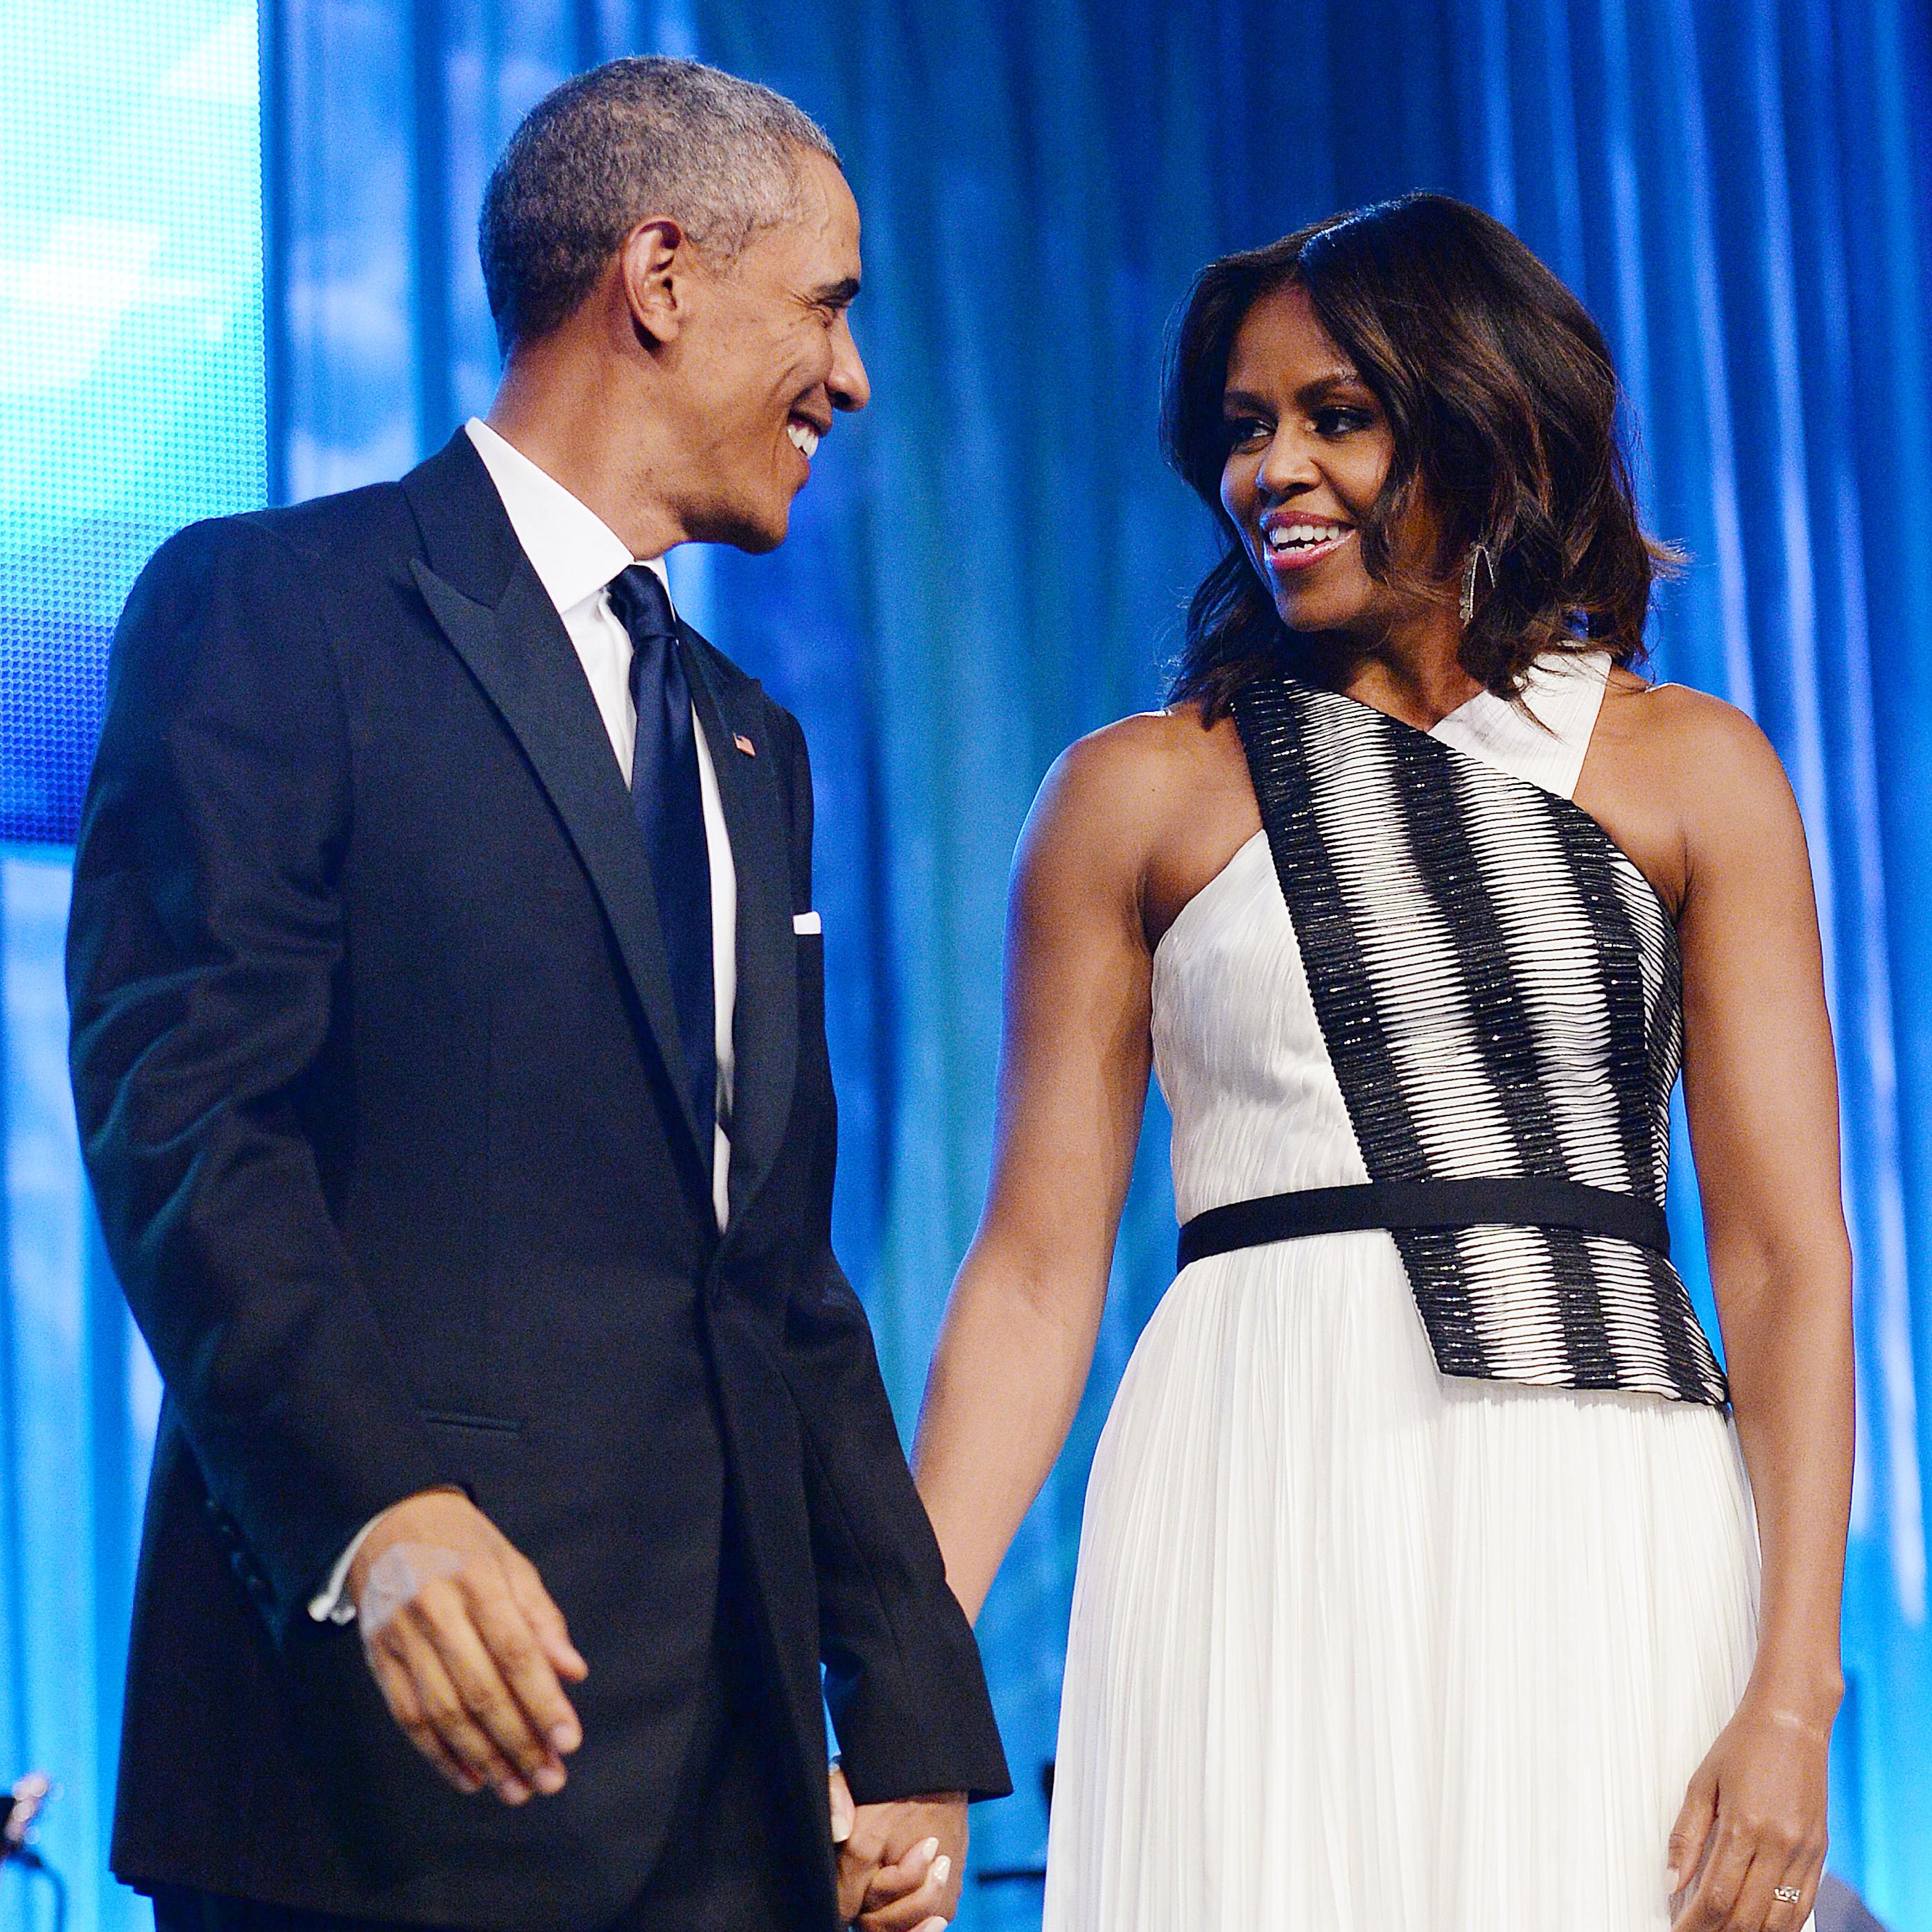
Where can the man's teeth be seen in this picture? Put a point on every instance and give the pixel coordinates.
(1304, 536)
(804, 437)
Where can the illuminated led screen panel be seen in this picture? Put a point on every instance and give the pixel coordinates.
(131, 342)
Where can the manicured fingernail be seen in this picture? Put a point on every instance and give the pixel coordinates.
(1672, 1883)
(942, 1870)
(550, 1780)
(513, 1791)
(928, 1849)
(932, 1925)
(841, 1827)
(565, 1737)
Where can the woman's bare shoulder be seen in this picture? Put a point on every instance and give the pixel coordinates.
(1696, 744)
(1141, 813)
(1670, 749)
(1132, 772)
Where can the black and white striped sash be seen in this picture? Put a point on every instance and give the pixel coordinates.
(1499, 992)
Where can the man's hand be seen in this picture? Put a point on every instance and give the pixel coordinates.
(900, 1864)
(467, 1646)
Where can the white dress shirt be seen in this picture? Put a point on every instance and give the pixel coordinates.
(575, 555)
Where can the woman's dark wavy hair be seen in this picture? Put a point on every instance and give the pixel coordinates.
(1499, 392)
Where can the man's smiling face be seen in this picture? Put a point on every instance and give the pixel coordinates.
(770, 360)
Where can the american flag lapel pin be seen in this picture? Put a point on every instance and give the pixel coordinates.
(744, 744)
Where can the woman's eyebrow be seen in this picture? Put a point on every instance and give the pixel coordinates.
(1343, 378)
(1244, 399)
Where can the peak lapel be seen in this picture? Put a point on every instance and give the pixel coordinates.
(764, 1028)
(500, 623)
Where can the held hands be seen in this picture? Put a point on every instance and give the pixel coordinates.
(1753, 1822)
(900, 1864)
(467, 1647)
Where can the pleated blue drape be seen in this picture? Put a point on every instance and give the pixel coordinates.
(990, 561)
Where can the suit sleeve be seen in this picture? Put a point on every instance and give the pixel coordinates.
(903, 1677)
(203, 947)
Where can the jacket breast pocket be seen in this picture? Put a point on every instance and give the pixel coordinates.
(811, 983)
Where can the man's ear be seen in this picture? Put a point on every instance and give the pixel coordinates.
(654, 267)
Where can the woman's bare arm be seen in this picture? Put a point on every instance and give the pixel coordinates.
(1018, 1338)
(1761, 1091)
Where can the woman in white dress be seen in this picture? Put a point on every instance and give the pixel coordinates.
(1420, 1584)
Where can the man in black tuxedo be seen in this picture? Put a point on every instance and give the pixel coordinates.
(449, 1049)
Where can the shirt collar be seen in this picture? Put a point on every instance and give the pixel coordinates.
(573, 550)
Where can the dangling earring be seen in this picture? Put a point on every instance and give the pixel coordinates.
(1479, 553)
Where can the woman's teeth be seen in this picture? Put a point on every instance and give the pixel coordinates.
(1302, 536)
(804, 437)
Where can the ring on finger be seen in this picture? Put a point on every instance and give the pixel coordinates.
(1787, 1895)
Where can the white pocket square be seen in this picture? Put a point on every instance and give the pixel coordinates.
(806, 921)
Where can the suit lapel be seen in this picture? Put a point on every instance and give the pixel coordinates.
(764, 1031)
(487, 600)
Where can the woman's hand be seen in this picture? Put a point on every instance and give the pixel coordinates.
(899, 1864)
(1753, 1821)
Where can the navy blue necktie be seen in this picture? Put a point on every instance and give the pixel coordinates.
(670, 806)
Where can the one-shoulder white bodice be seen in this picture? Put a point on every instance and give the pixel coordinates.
(1238, 1050)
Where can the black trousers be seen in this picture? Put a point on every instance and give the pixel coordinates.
(731, 1855)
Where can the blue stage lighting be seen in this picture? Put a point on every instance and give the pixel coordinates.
(131, 342)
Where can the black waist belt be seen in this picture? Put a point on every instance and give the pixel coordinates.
(1521, 1201)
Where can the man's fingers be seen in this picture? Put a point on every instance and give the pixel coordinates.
(444, 1614)
(477, 1710)
(477, 1645)
(547, 1621)
(447, 1720)
(406, 1707)
(513, 1647)
(866, 1845)
(852, 1881)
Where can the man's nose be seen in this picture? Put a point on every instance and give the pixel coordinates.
(848, 385)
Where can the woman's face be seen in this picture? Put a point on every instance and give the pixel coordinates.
(1308, 449)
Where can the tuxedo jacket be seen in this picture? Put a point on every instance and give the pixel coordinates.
(376, 1061)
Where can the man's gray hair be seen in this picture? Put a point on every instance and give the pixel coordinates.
(632, 138)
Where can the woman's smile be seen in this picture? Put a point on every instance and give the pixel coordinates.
(1294, 541)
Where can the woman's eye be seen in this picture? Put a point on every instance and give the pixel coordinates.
(1339, 420)
(1244, 432)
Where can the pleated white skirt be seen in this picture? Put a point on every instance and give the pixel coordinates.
(1356, 1647)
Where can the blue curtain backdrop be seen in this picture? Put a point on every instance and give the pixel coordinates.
(130, 402)
(991, 562)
